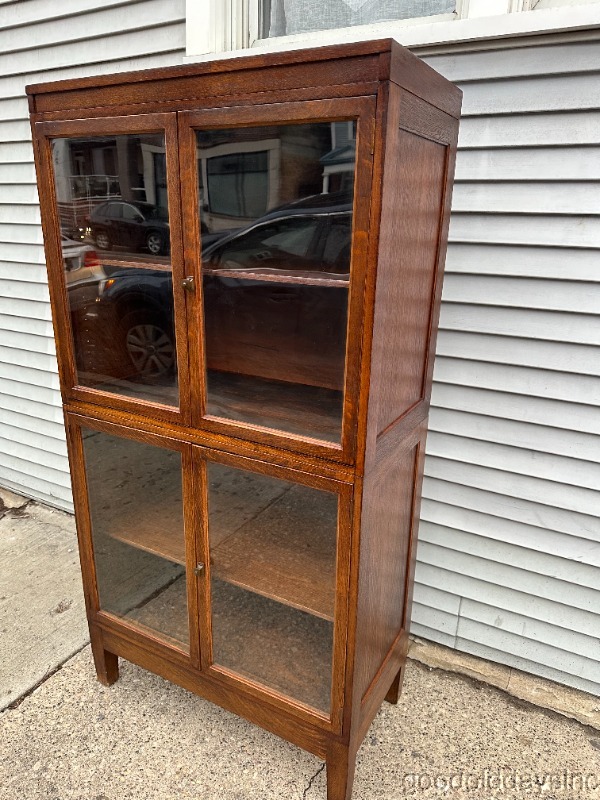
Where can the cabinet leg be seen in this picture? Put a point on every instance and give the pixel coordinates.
(395, 689)
(107, 664)
(340, 772)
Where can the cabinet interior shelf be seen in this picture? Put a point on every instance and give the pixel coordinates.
(278, 276)
(267, 642)
(291, 407)
(294, 566)
(294, 408)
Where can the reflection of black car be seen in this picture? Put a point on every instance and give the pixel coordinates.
(136, 306)
(137, 226)
(311, 235)
(278, 284)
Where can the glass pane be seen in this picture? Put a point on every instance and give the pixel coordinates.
(112, 193)
(112, 202)
(276, 223)
(123, 329)
(284, 17)
(273, 563)
(136, 508)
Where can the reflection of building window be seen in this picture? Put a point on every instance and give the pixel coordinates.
(338, 163)
(300, 16)
(238, 184)
(160, 179)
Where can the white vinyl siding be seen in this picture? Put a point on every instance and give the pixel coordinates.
(509, 555)
(509, 552)
(43, 40)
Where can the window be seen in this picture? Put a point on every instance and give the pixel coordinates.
(299, 16)
(238, 184)
(113, 210)
(131, 213)
(213, 26)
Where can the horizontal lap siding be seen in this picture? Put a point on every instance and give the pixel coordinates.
(509, 566)
(42, 40)
(509, 552)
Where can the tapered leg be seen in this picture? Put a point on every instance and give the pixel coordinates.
(107, 664)
(340, 772)
(395, 689)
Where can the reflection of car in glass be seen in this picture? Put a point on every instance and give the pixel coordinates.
(136, 305)
(275, 294)
(83, 272)
(136, 226)
(282, 279)
(311, 235)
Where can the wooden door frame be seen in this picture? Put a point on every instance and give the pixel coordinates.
(43, 134)
(362, 109)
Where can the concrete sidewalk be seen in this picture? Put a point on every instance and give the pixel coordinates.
(63, 736)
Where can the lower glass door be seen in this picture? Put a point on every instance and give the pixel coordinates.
(273, 559)
(136, 515)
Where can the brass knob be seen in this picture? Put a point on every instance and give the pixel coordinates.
(189, 284)
(199, 569)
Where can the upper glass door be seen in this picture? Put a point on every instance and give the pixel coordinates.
(118, 253)
(276, 217)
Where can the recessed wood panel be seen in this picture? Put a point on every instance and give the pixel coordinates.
(386, 532)
(406, 273)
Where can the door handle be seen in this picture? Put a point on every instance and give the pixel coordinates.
(189, 284)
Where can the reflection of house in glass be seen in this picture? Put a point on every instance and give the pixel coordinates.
(245, 172)
(338, 163)
(95, 169)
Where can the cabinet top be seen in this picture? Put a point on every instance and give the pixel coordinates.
(358, 67)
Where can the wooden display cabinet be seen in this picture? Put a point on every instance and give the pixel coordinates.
(245, 261)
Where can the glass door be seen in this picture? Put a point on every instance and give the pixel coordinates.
(276, 219)
(134, 515)
(118, 256)
(275, 555)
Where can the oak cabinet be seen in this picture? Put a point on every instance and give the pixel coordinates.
(245, 262)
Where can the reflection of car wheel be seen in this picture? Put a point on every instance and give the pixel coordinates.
(149, 345)
(154, 243)
(102, 240)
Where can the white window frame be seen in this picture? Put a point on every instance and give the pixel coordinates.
(231, 27)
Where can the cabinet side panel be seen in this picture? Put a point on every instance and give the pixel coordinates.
(413, 191)
(386, 525)
(418, 169)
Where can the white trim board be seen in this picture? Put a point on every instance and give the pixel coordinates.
(205, 42)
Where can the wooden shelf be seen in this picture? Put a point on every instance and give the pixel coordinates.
(276, 552)
(290, 407)
(153, 536)
(341, 280)
(286, 552)
(165, 394)
(273, 644)
(125, 259)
